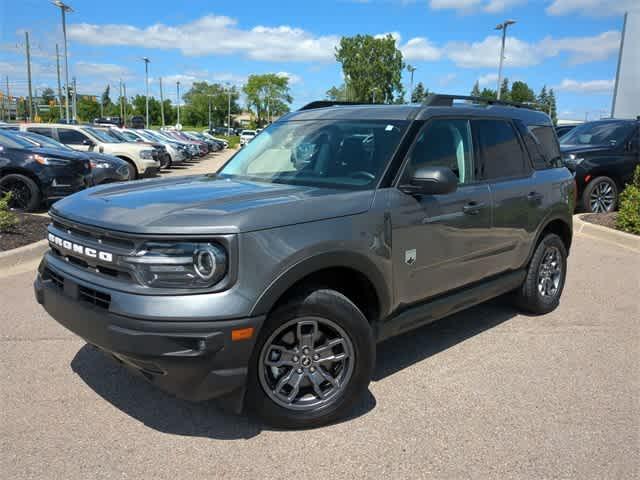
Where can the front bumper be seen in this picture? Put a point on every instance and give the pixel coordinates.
(193, 360)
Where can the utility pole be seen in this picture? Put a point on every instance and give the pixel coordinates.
(63, 10)
(9, 100)
(146, 81)
(411, 69)
(59, 86)
(209, 95)
(26, 39)
(161, 103)
(75, 98)
(101, 107)
(124, 89)
(229, 112)
(503, 26)
(120, 101)
(178, 100)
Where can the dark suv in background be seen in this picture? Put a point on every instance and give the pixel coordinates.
(603, 155)
(338, 226)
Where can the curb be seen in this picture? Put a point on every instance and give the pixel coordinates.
(606, 234)
(20, 255)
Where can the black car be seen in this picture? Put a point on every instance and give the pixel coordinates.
(35, 175)
(564, 129)
(104, 168)
(137, 121)
(603, 155)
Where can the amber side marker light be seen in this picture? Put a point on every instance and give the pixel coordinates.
(241, 334)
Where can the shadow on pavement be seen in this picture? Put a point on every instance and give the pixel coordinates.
(165, 413)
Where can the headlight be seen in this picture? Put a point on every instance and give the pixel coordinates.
(146, 154)
(179, 265)
(42, 160)
(95, 164)
(573, 160)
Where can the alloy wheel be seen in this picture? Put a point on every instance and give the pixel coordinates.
(20, 194)
(550, 273)
(602, 198)
(306, 363)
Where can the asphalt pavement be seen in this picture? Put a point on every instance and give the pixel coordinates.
(488, 393)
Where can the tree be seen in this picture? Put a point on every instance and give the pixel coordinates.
(419, 93)
(48, 96)
(521, 93)
(553, 111)
(337, 94)
(372, 66)
(488, 93)
(267, 96)
(88, 108)
(505, 94)
(105, 99)
(475, 92)
(543, 99)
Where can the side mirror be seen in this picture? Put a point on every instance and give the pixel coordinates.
(88, 143)
(431, 181)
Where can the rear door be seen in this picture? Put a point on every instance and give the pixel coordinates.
(505, 166)
(441, 242)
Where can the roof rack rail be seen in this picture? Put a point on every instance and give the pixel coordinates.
(439, 100)
(328, 103)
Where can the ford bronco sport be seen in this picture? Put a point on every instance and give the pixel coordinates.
(269, 283)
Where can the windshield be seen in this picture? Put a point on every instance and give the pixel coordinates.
(338, 154)
(102, 135)
(10, 140)
(598, 133)
(43, 141)
(127, 136)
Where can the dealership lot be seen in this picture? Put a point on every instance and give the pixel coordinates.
(486, 393)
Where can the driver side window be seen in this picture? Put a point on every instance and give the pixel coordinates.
(444, 143)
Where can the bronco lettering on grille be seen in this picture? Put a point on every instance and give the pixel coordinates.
(80, 249)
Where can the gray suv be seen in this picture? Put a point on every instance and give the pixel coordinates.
(269, 283)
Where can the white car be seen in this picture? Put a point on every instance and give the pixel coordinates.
(141, 159)
(138, 135)
(246, 136)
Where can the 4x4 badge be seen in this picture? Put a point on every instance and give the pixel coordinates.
(410, 256)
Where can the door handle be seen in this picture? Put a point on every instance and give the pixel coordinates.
(535, 197)
(473, 208)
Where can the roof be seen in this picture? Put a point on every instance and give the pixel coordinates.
(435, 105)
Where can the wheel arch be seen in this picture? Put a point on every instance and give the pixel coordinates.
(351, 274)
(21, 171)
(559, 225)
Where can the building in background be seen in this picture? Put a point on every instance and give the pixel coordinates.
(626, 95)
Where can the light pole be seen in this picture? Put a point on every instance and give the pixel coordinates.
(178, 100)
(64, 9)
(229, 111)
(411, 69)
(210, 95)
(503, 26)
(146, 80)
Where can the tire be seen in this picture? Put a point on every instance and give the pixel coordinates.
(26, 195)
(133, 172)
(600, 195)
(537, 295)
(318, 401)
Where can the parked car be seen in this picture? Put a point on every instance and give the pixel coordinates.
(185, 152)
(192, 147)
(214, 145)
(221, 141)
(36, 175)
(564, 129)
(142, 161)
(337, 227)
(603, 156)
(108, 122)
(104, 168)
(177, 155)
(159, 149)
(202, 148)
(137, 121)
(246, 136)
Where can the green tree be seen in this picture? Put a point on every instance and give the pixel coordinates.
(88, 108)
(475, 91)
(337, 94)
(267, 95)
(488, 93)
(419, 93)
(372, 66)
(105, 99)
(522, 93)
(48, 96)
(505, 94)
(553, 110)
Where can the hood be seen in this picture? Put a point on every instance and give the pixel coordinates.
(60, 153)
(206, 204)
(567, 149)
(102, 157)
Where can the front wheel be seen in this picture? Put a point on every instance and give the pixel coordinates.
(314, 359)
(25, 194)
(540, 293)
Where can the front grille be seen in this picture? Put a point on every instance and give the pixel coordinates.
(57, 280)
(94, 297)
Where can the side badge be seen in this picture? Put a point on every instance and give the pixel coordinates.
(410, 256)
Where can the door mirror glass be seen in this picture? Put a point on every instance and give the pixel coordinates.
(431, 181)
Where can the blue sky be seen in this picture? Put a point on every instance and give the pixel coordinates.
(570, 45)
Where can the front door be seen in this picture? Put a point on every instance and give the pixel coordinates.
(441, 242)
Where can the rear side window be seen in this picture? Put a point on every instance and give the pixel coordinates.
(547, 146)
(70, 137)
(500, 150)
(47, 132)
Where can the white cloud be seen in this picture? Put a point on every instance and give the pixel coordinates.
(519, 53)
(593, 7)
(396, 36)
(468, 6)
(488, 79)
(420, 49)
(213, 34)
(590, 86)
(292, 77)
(105, 70)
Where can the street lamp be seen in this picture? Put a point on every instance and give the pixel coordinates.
(229, 111)
(146, 99)
(210, 95)
(178, 100)
(503, 26)
(63, 10)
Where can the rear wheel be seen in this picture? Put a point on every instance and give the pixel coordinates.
(313, 361)
(540, 293)
(25, 194)
(600, 196)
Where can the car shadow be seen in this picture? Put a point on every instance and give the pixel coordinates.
(160, 411)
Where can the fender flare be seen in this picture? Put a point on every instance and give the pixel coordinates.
(304, 268)
(545, 223)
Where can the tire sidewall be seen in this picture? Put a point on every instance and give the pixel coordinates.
(323, 303)
(552, 240)
(34, 190)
